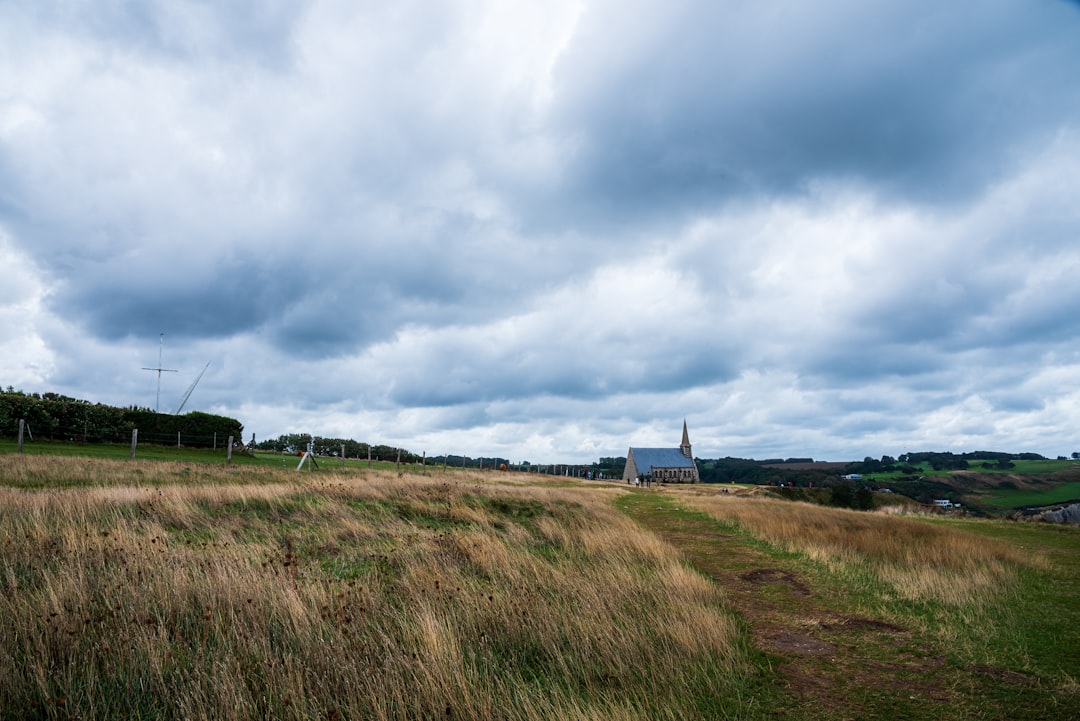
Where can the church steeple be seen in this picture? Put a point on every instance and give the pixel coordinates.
(685, 445)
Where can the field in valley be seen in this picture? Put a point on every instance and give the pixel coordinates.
(162, 589)
(1020, 498)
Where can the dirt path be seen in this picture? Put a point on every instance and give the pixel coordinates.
(831, 664)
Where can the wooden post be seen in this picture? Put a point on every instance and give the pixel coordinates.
(228, 453)
(178, 440)
(134, 441)
(215, 441)
(398, 461)
(343, 456)
(22, 424)
(369, 456)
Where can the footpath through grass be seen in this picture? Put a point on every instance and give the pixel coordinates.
(844, 644)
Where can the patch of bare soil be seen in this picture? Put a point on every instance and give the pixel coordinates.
(861, 624)
(797, 643)
(762, 576)
(1002, 674)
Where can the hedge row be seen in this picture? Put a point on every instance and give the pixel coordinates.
(55, 417)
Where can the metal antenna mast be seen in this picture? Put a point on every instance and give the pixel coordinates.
(160, 370)
(191, 388)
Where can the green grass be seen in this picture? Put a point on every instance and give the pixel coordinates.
(120, 451)
(923, 469)
(1029, 468)
(154, 452)
(1040, 626)
(1032, 468)
(1018, 498)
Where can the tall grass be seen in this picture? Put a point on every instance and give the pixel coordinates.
(950, 583)
(373, 595)
(920, 561)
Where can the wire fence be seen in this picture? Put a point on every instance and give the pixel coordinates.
(323, 455)
(84, 435)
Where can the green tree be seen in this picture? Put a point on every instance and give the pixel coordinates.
(841, 496)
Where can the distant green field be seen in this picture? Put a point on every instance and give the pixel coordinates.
(923, 469)
(1032, 468)
(1027, 468)
(120, 451)
(1007, 498)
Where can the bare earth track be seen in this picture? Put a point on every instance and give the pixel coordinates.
(829, 663)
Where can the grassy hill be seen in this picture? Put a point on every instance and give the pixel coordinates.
(1031, 484)
(173, 589)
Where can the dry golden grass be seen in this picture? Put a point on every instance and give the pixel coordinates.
(919, 560)
(944, 581)
(326, 596)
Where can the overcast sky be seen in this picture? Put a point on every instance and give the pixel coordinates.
(548, 231)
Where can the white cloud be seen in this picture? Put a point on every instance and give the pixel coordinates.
(25, 360)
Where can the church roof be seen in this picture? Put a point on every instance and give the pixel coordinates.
(648, 458)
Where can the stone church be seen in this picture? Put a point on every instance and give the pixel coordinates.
(665, 465)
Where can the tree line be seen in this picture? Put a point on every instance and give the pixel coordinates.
(941, 461)
(322, 446)
(56, 417)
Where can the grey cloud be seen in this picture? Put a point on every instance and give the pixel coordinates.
(857, 363)
(226, 30)
(926, 101)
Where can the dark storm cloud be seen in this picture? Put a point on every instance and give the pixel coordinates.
(446, 371)
(854, 363)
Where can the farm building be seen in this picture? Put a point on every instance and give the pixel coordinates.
(665, 465)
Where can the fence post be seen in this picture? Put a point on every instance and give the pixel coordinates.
(228, 453)
(398, 461)
(22, 424)
(369, 456)
(134, 441)
(178, 440)
(215, 441)
(343, 456)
